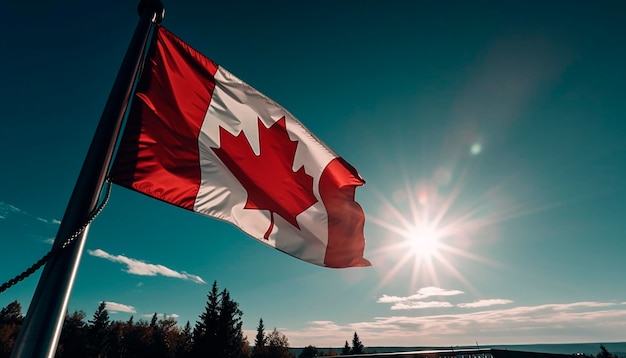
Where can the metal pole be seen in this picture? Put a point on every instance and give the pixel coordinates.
(42, 325)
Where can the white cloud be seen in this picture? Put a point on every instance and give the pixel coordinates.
(421, 294)
(415, 301)
(7, 209)
(51, 221)
(49, 240)
(420, 305)
(323, 325)
(485, 303)
(137, 267)
(548, 323)
(115, 307)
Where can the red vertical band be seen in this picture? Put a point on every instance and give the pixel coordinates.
(159, 153)
(346, 241)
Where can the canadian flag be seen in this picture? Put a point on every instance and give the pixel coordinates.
(200, 138)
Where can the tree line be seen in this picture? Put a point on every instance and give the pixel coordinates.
(217, 333)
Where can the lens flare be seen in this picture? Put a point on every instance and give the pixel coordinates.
(431, 231)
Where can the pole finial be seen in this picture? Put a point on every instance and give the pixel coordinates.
(155, 6)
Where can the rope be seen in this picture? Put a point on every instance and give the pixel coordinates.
(57, 250)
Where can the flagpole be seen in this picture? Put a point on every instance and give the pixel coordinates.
(42, 325)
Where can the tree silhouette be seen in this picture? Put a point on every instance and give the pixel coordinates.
(604, 353)
(164, 337)
(137, 338)
(230, 332)
(278, 345)
(74, 330)
(309, 352)
(185, 342)
(260, 342)
(357, 346)
(10, 323)
(219, 331)
(205, 331)
(98, 334)
(346, 349)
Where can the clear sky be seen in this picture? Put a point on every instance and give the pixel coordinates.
(492, 129)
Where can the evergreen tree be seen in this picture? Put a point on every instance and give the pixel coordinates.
(346, 349)
(205, 331)
(230, 332)
(154, 320)
(604, 353)
(185, 342)
(219, 331)
(98, 332)
(357, 346)
(260, 341)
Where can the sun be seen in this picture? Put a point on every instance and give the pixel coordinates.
(423, 241)
(431, 234)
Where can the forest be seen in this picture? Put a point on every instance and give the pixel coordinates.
(217, 333)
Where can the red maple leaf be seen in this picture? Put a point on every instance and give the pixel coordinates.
(268, 178)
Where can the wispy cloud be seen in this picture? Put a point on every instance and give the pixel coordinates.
(548, 323)
(420, 305)
(141, 268)
(485, 303)
(415, 301)
(422, 293)
(7, 209)
(49, 221)
(114, 307)
(323, 326)
(49, 240)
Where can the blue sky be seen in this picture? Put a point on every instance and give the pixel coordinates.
(495, 127)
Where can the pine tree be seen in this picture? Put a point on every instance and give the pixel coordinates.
(219, 331)
(98, 333)
(205, 331)
(260, 341)
(346, 349)
(154, 320)
(604, 353)
(230, 331)
(185, 342)
(357, 346)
